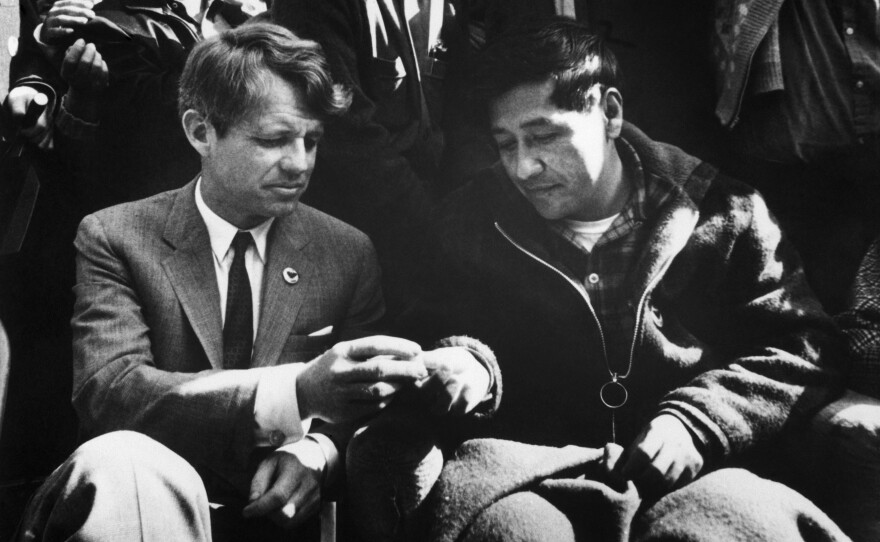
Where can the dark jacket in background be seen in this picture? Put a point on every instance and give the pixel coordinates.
(139, 148)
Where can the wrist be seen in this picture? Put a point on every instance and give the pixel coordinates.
(83, 105)
(303, 395)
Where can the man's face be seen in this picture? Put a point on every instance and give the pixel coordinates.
(261, 166)
(554, 156)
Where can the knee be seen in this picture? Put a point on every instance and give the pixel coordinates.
(734, 504)
(125, 459)
(521, 517)
(117, 487)
(122, 448)
(850, 429)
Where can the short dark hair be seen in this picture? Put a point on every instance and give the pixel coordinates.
(535, 51)
(225, 77)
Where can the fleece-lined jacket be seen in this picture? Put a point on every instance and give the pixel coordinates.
(728, 336)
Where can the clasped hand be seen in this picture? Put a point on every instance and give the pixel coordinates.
(358, 378)
(457, 382)
(63, 19)
(661, 459)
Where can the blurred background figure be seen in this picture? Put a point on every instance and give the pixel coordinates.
(798, 84)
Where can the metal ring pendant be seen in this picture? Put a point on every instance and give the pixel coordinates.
(613, 394)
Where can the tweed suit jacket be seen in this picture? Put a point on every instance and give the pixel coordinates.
(147, 330)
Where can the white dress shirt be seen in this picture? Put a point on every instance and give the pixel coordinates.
(276, 408)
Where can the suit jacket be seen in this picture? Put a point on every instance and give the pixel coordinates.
(147, 324)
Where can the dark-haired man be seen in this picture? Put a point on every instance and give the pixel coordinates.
(637, 301)
(206, 319)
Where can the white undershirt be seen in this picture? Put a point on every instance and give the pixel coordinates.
(588, 233)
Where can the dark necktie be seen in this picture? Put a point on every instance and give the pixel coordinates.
(238, 331)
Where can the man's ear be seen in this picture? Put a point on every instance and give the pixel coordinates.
(196, 127)
(612, 105)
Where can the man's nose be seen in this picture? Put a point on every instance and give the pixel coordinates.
(296, 157)
(528, 164)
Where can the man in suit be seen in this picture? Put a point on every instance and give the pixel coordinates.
(202, 314)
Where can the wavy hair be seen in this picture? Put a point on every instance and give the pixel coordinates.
(555, 48)
(226, 76)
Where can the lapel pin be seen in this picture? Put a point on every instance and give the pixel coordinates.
(290, 275)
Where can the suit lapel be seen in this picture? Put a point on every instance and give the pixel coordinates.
(281, 300)
(190, 269)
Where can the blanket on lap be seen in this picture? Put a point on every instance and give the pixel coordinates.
(729, 504)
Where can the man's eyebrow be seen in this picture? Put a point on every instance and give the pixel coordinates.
(540, 122)
(537, 123)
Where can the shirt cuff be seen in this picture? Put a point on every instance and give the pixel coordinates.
(276, 410)
(331, 457)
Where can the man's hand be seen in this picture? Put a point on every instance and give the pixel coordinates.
(87, 76)
(63, 19)
(287, 485)
(662, 458)
(17, 102)
(357, 378)
(457, 381)
(83, 68)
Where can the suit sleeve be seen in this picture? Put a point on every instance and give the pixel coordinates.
(206, 417)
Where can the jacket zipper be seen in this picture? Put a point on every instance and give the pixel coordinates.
(640, 310)
(576, 286)
(586, 297)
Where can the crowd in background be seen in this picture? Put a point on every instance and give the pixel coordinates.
(782, 94)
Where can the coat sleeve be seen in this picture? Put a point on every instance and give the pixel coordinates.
(207, 417)
(774, 347)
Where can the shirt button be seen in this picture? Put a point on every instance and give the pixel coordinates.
(860, 84)
(276, 437)
(593, 278)
(850, 31)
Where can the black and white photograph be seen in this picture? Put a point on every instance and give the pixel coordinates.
(440, 270)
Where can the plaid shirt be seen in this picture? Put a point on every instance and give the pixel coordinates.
(609, 264)
(861, 325)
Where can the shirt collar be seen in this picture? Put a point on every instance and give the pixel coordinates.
(221, 232)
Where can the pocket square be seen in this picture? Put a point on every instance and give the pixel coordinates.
(322, 332)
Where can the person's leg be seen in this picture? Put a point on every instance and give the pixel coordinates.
(844, 454)
(391, 466)
(120, 486)
(733, 505)
(521, 517)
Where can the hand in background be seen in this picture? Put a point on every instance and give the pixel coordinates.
(63, 19)
(358, 378)
(84, 69)
(662, 458)
(457, 382)
(87, 76)
(40, 132)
